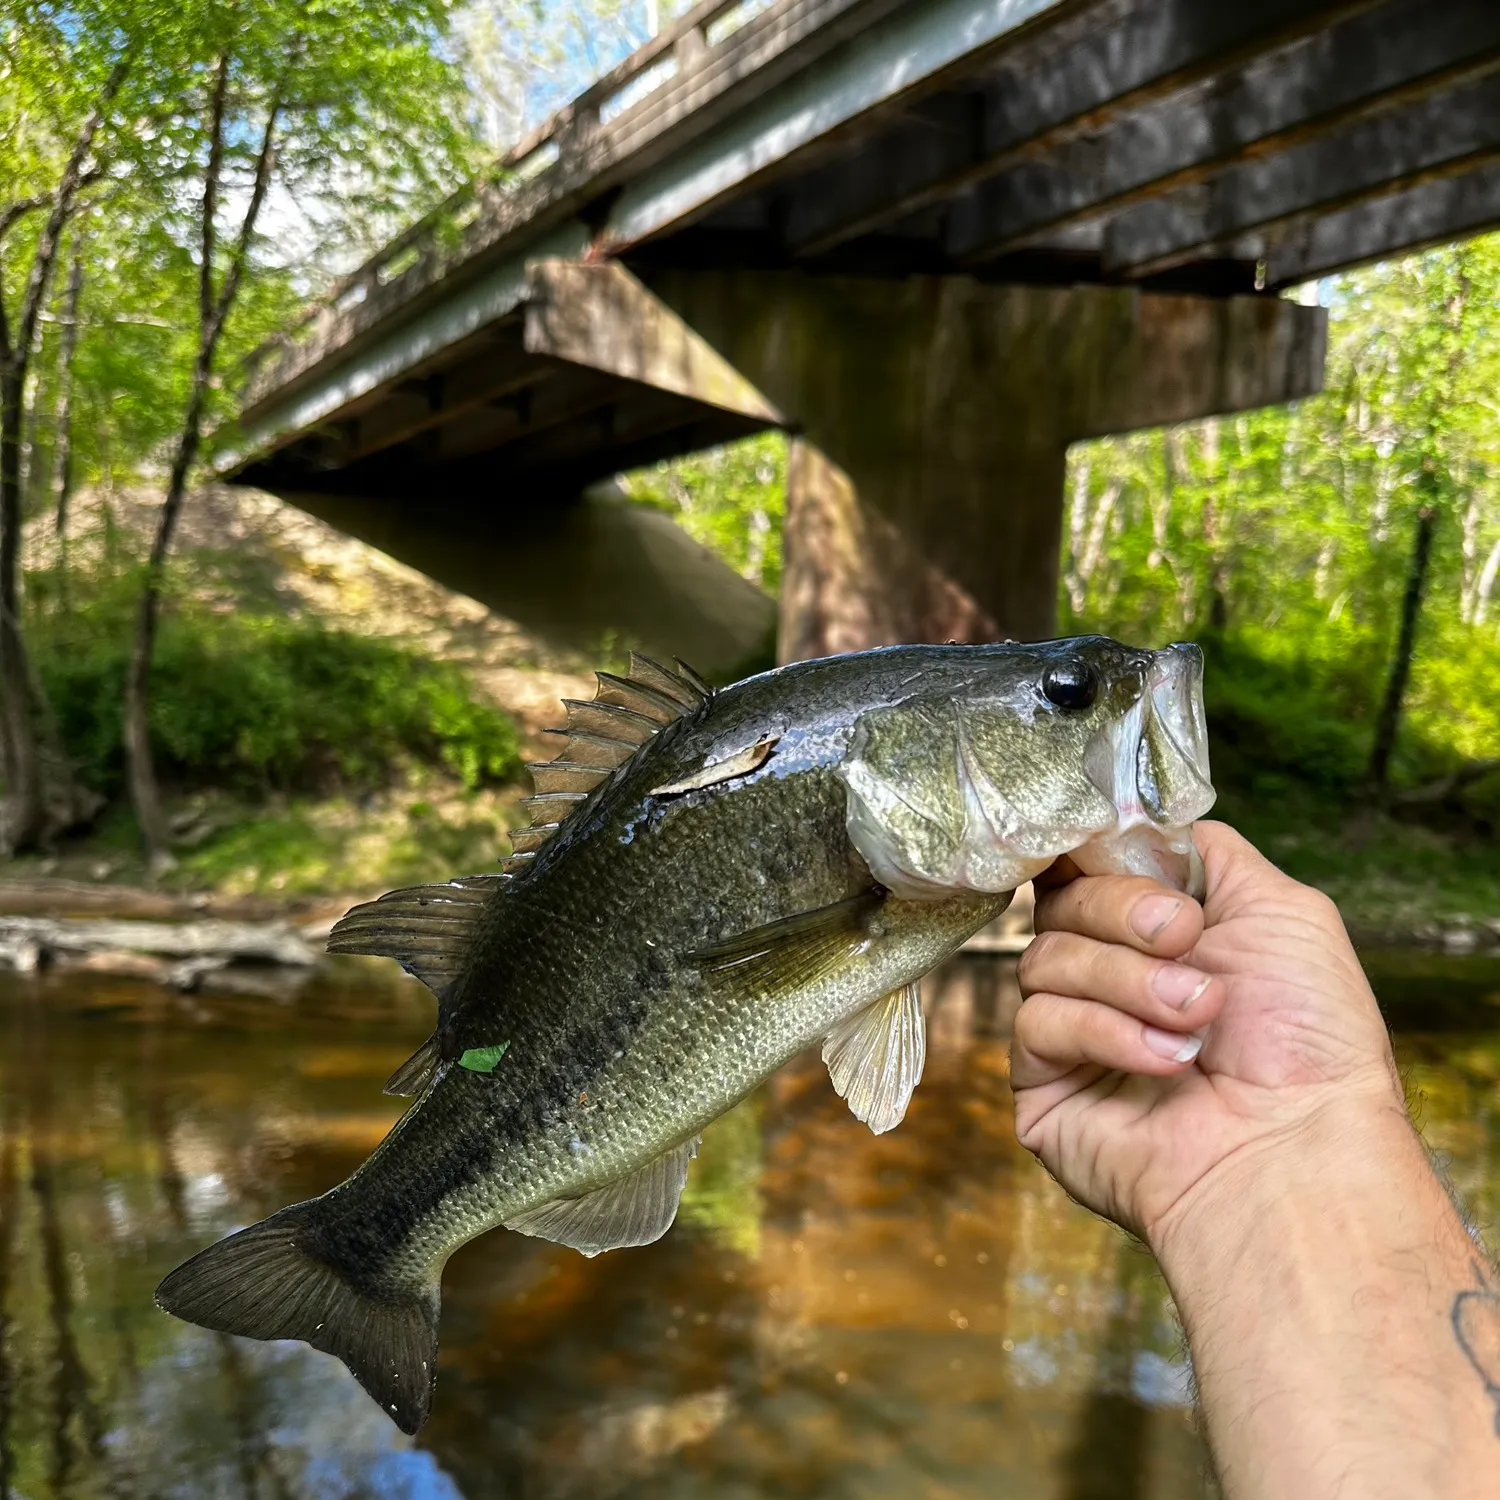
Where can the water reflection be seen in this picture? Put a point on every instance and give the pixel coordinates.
(836, 1314)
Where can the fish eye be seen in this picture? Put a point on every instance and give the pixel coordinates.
(1070, 685)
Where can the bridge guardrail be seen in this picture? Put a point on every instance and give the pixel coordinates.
(441, 237)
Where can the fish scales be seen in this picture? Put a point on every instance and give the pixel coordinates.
(771, 867)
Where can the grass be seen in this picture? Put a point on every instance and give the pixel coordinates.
(291, 847)
(1388, 876)
(258, 703)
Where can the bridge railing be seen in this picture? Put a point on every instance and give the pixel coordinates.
(451, 232)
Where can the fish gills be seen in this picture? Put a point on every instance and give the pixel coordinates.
(264, 1284)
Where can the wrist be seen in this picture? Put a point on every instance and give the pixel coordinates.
(1315, 1272)
(1346, 1146)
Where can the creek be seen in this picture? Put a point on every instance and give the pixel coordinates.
(834, 1314)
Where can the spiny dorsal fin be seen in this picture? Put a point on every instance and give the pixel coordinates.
(602, 734)
(427, 929)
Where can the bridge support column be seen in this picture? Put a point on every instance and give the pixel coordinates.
(931, 420)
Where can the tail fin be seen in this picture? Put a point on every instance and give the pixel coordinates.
(263, 1284)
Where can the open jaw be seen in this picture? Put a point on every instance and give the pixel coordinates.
(1153, 765)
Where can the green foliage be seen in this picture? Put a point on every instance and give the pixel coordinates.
(258, 702)
(1283, 537)
(732, 499)
(372, 128)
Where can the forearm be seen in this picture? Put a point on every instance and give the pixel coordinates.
(1322, 1283)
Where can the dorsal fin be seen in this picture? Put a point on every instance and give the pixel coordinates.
(602, 734)
(427, 929)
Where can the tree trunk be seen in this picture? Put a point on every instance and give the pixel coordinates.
(64, 436)
(25, 823)
(1214, 529)
(1395, 689)
(213, 312)
(1486, 583)
(24, 820)
(145, 796)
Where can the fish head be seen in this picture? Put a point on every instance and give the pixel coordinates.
(1082, 747)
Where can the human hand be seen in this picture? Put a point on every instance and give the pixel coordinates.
(1127, 980)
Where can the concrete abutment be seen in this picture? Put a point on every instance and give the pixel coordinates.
(931, 419)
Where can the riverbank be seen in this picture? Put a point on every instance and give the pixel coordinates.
(266, 871)
(303, 854)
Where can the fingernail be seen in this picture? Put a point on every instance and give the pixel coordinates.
(1152, 913)
(1177, 985)
(1172, 1045)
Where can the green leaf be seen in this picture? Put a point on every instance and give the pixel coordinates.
(482, 1059)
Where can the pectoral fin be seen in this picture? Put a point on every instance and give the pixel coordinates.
(796, 950)
(633, 1210)
(875, 1057)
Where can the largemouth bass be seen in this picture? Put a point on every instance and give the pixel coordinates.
(715, 880)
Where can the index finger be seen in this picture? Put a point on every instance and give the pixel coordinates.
(1058, 873)
(1132, 910)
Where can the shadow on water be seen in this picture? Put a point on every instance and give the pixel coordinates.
(835, 1314)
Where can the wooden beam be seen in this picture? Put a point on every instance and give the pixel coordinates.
(448, 395)
(1370, 64)
(599, 316)
(1431, 213)
(565, 398)
(1437, 137)
(608, 440)
(1031, 104)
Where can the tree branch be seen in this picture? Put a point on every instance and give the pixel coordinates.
(265, 165)
(211, 195)
(62, 206)
(19, 209)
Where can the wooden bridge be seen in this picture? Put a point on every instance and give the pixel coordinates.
(936, 240)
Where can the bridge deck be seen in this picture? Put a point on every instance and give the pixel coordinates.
(1186, 145)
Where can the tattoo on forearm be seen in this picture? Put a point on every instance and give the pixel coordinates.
(1476, 1326)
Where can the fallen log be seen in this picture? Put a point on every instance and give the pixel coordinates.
(1446, 786)
(26, 942)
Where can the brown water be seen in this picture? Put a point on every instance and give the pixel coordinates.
(921, 1314)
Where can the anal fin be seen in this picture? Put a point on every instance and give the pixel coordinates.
(632, 1210)
(875, 1057)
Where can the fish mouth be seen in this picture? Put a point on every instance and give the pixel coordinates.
(1152, 763)
(1172, 775)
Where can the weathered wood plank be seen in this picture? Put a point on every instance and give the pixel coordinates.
(1339, 75)
(1030, 103)
(1448, 208)
(451, 394)
(1433, 138)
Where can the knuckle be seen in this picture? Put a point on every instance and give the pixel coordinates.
(1037, 954)
(1325, 908)
(1031, 1024)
